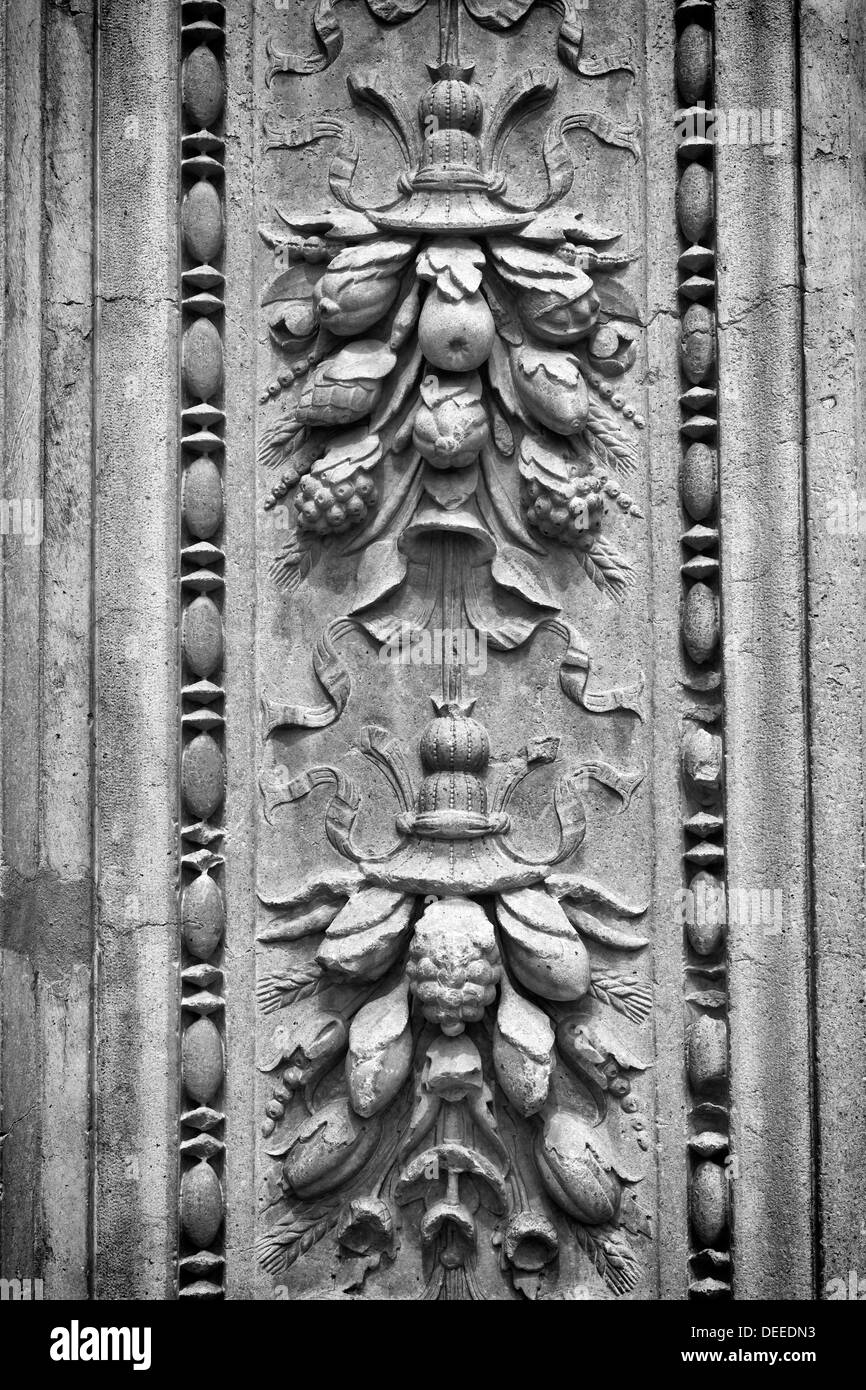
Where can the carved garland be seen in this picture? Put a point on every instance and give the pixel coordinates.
(702, 749)
(201, 1203)
(449, 1041)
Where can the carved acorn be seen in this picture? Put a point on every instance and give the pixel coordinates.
(451, 427)
(551, 388)
(327, 1149)
(453, 964)
(360, 285)
(577, 1170)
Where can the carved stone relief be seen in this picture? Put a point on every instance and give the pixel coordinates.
(454, 1022)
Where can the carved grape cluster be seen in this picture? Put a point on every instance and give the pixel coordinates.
(328, 509)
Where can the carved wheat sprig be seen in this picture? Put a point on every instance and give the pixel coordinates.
(611, 1254)
(607, 441)
(607, 568)
(627, 994)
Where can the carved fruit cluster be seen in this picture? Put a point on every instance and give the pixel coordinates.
(327, 508)
(453, 965)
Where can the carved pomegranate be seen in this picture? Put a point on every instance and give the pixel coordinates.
(451, 426)
(456, 334)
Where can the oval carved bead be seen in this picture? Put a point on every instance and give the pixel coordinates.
(202, 360)
(700, 623)
(698, 348)
(698, 481)
(202, 776)
(709, 1202)
(203, 917)
(702, 763)
(694, 62)
(705, 922)
(201, 1204)
(695, 202)
(203, 86)
(708, 1052)
(202, 222)
(202, 636)
(202, 1060)
(202, 498)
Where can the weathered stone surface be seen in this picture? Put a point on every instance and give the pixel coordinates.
(310, 987)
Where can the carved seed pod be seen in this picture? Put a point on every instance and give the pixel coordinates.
(708, 1202)
(202, 498)
(202, 86)
(202, 776)
(706, 925)
(201, 1204)
(455, 743)
(702, 763)
(202, 222)
(202, 636)
(700, 623)
(202, 1060)
(698, 481)
(203, 917)
(202, 360)
(695, 202)
(694, 63)
(707, 1052)
(698, 346)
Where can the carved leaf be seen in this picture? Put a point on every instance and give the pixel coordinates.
(615, 299)
(543, 948)
(453, 266)
(365, 937)
(523, 1050)
(522, 575)
(380, 1050)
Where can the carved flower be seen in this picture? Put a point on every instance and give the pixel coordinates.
(327, 1149)
(366, 1226)
(576, 1169)
(530, 1241)
(451, 427)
